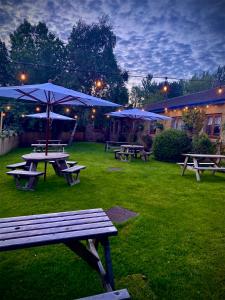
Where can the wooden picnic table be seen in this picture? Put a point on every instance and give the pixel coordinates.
(58, 160)
(52, 147)
(70, 228)
(198, 163)
(132, 149)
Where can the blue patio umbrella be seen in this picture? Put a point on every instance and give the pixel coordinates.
(139, 114)
(51, 95)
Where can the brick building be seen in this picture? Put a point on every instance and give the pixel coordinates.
(211, 101)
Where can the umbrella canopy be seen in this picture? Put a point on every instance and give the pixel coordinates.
(51, 94)
(52, 116)
(138, 114)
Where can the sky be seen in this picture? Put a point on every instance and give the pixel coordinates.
(174, 38)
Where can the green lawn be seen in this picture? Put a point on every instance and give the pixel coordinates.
(174, 248)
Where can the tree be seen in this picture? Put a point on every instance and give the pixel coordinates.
(220, 75)
(42, 53)
(90, 57)
(136, 96)
(5, 65)
(199, 83)
(194, 120)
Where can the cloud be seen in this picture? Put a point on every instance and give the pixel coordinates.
(164, 37)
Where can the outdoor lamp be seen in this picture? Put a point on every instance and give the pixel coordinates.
(94, 110)
(8, 107)
(37, 109)
(67, 110)
(220, 90)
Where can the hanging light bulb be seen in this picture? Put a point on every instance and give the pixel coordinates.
(165, 86)
(23, 116)
(98, 83)
(67, 110)
(8, 107)
(220, 90)
(23, 77)
(37, 109)
(75, 117)
(92, 116)
(94, 110)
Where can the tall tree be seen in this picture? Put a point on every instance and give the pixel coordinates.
(90, 57)
(5, 65)
(42, 53)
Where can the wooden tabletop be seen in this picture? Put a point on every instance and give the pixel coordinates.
(42, 157)
(38, 230)
(197, 155)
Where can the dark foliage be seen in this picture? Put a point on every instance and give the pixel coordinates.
(170, 144)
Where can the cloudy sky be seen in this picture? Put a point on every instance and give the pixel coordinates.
(176, 38)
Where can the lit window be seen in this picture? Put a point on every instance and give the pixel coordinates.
(213, 125)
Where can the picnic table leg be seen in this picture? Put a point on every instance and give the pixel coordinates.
(197, 173)
(45, 170)
(108, 262)
(185, 165)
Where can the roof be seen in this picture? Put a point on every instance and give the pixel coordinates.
(210, 96)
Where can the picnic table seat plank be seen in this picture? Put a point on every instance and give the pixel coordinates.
(115, 295)
(52, 221)
(20, 228)
(51, 215)
(20, 165)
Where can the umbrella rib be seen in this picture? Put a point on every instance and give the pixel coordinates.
(72, 98)
(27, 94)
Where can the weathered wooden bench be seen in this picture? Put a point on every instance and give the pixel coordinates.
(124, 156)
(21, 165)
(201, 164)
(92, 226)
(25, 180)
(69, 163)
(69, 174)
(113, 145)
(115, 295)
(144, 155)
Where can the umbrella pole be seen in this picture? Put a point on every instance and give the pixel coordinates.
(47, 138)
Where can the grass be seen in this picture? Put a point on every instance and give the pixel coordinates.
(174, 248)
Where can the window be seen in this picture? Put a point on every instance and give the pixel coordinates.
(177, 123)
(213, 125)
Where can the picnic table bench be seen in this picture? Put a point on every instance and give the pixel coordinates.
(70, 228)
(115, 295)
(212, 163)
(21, 165)
(69, 172)
(112, 145)
(30, 178)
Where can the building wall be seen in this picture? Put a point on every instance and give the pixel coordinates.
(209, 109)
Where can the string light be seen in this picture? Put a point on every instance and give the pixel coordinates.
(67, 110)
(165, 87)
(108, 116)
(23, 116)
(220, 90)
(8, 107)
(207, 106)
(165, 109)
(37, 109)
(75, 116)
(92, 116)
(98, 84)
(94, 110)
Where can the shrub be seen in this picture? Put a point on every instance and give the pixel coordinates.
(147, 141)
(202, 144)
(170, 144)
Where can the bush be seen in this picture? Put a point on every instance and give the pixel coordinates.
(170, 144)
(202, 144)
(147, 141)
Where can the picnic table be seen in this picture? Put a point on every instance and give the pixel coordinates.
(52, 147)
(70, 228)
(132, 149)
(201, 163)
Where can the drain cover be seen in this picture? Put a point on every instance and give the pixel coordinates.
(114, 169)
(119, 214)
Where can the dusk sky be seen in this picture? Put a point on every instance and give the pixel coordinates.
(176, 38)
